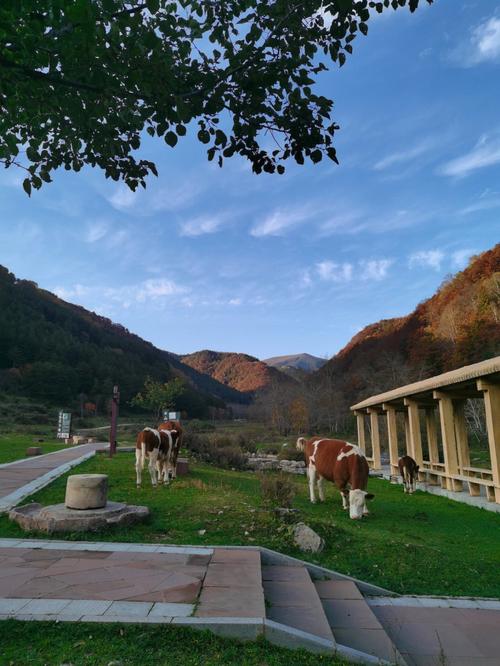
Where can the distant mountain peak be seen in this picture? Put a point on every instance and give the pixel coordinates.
(305, 362)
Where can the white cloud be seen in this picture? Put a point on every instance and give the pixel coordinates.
(375, 269)
(485, 153)
(76, 291)
(483, 203)
(331, 271)
(95, 232)
(427, 259)
(405, 155)
(156, 199)
(200, 226)
(483, 45)
(156, 288)
(460, 258)
(280, 221)
(235, 301)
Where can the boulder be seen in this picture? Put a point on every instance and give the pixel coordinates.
(86, 491)
(306, 539)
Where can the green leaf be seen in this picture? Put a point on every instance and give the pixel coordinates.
(171, 138)
(27, 186)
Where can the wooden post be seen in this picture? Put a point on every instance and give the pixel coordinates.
(392, 435)
(432, 439)
(114, 417)
(408, 443)
(375, 433)
(461, 435)
(360, 421)
(446, 417)
(414, 430)
(492, 409)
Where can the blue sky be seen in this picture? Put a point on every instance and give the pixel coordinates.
(268, 265)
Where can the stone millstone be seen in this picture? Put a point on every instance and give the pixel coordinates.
(86, 491)
(58, 518)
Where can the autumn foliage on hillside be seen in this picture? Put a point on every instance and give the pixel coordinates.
(457, 326)
(239, 371)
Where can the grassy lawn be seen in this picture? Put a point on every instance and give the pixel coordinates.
(47, 643)
(419, 544)
(13, 445)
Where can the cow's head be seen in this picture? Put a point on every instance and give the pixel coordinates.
(357, 503)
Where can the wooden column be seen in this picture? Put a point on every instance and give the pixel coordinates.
(360, 421)
(408, 442)
(414, 430)
(461, 435)
(492, 409)
(446, 417)
(392, 434)
(432, 438)
(375, 433)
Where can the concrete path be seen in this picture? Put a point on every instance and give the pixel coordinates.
(21, 478)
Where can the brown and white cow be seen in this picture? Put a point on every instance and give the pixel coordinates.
(408, 469)
(342, 463)
(176, 432)
(157, 447)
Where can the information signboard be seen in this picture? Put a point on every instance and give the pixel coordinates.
(64, 425)
(171, 416)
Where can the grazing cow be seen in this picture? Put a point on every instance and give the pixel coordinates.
(157, 446)
(408, 469)
(342, 463)
(176, 432)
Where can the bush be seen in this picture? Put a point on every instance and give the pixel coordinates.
(218, 450)
(195, 425)
(277, 489)
(290, 453)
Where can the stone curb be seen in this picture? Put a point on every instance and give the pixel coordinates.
(9, 501)
(436, 602)
(54, 544)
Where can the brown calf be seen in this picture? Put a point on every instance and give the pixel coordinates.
(408, 469)
(176, 432)
(342, 463)
(157, 447)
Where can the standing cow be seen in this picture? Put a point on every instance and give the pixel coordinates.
(157, 446)
(408, 469)
(342, 463)
(176, 432)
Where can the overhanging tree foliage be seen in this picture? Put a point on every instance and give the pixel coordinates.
(81, 79)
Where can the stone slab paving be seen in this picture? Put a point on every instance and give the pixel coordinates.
(292, 600)
(443, 636)
(353, 622)
(21, 478)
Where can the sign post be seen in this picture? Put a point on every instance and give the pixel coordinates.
(114, 416)
(64, 425)
(171, 416)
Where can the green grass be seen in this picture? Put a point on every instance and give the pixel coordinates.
(48, 643)
(411, 544)
(13, 445)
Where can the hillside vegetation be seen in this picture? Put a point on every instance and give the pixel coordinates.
(457, 326)
(239, 371)
(58, 352)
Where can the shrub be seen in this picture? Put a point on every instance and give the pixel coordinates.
(218, 450)
(246, 443)
(195, 425)
(290, 453)
(277, 489)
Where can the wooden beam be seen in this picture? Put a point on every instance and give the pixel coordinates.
(375, 433)
(461, 434)
(432, 438)
(360, 422)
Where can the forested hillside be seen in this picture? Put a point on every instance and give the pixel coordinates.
(59, 352)
(457, 326)
(240, 371)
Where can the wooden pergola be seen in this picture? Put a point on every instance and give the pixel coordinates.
(444, 395)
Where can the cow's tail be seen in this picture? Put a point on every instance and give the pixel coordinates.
(301, 444)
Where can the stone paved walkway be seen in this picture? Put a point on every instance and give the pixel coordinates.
(20, 478)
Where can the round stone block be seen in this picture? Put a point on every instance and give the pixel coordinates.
(34, 451)
(86, 491)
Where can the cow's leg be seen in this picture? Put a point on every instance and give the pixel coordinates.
(139, 464)
(153, 457)
(321, 491)
(365, 510)
(311, 472)
(412, 482)
(405, 480)
(345, 498)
